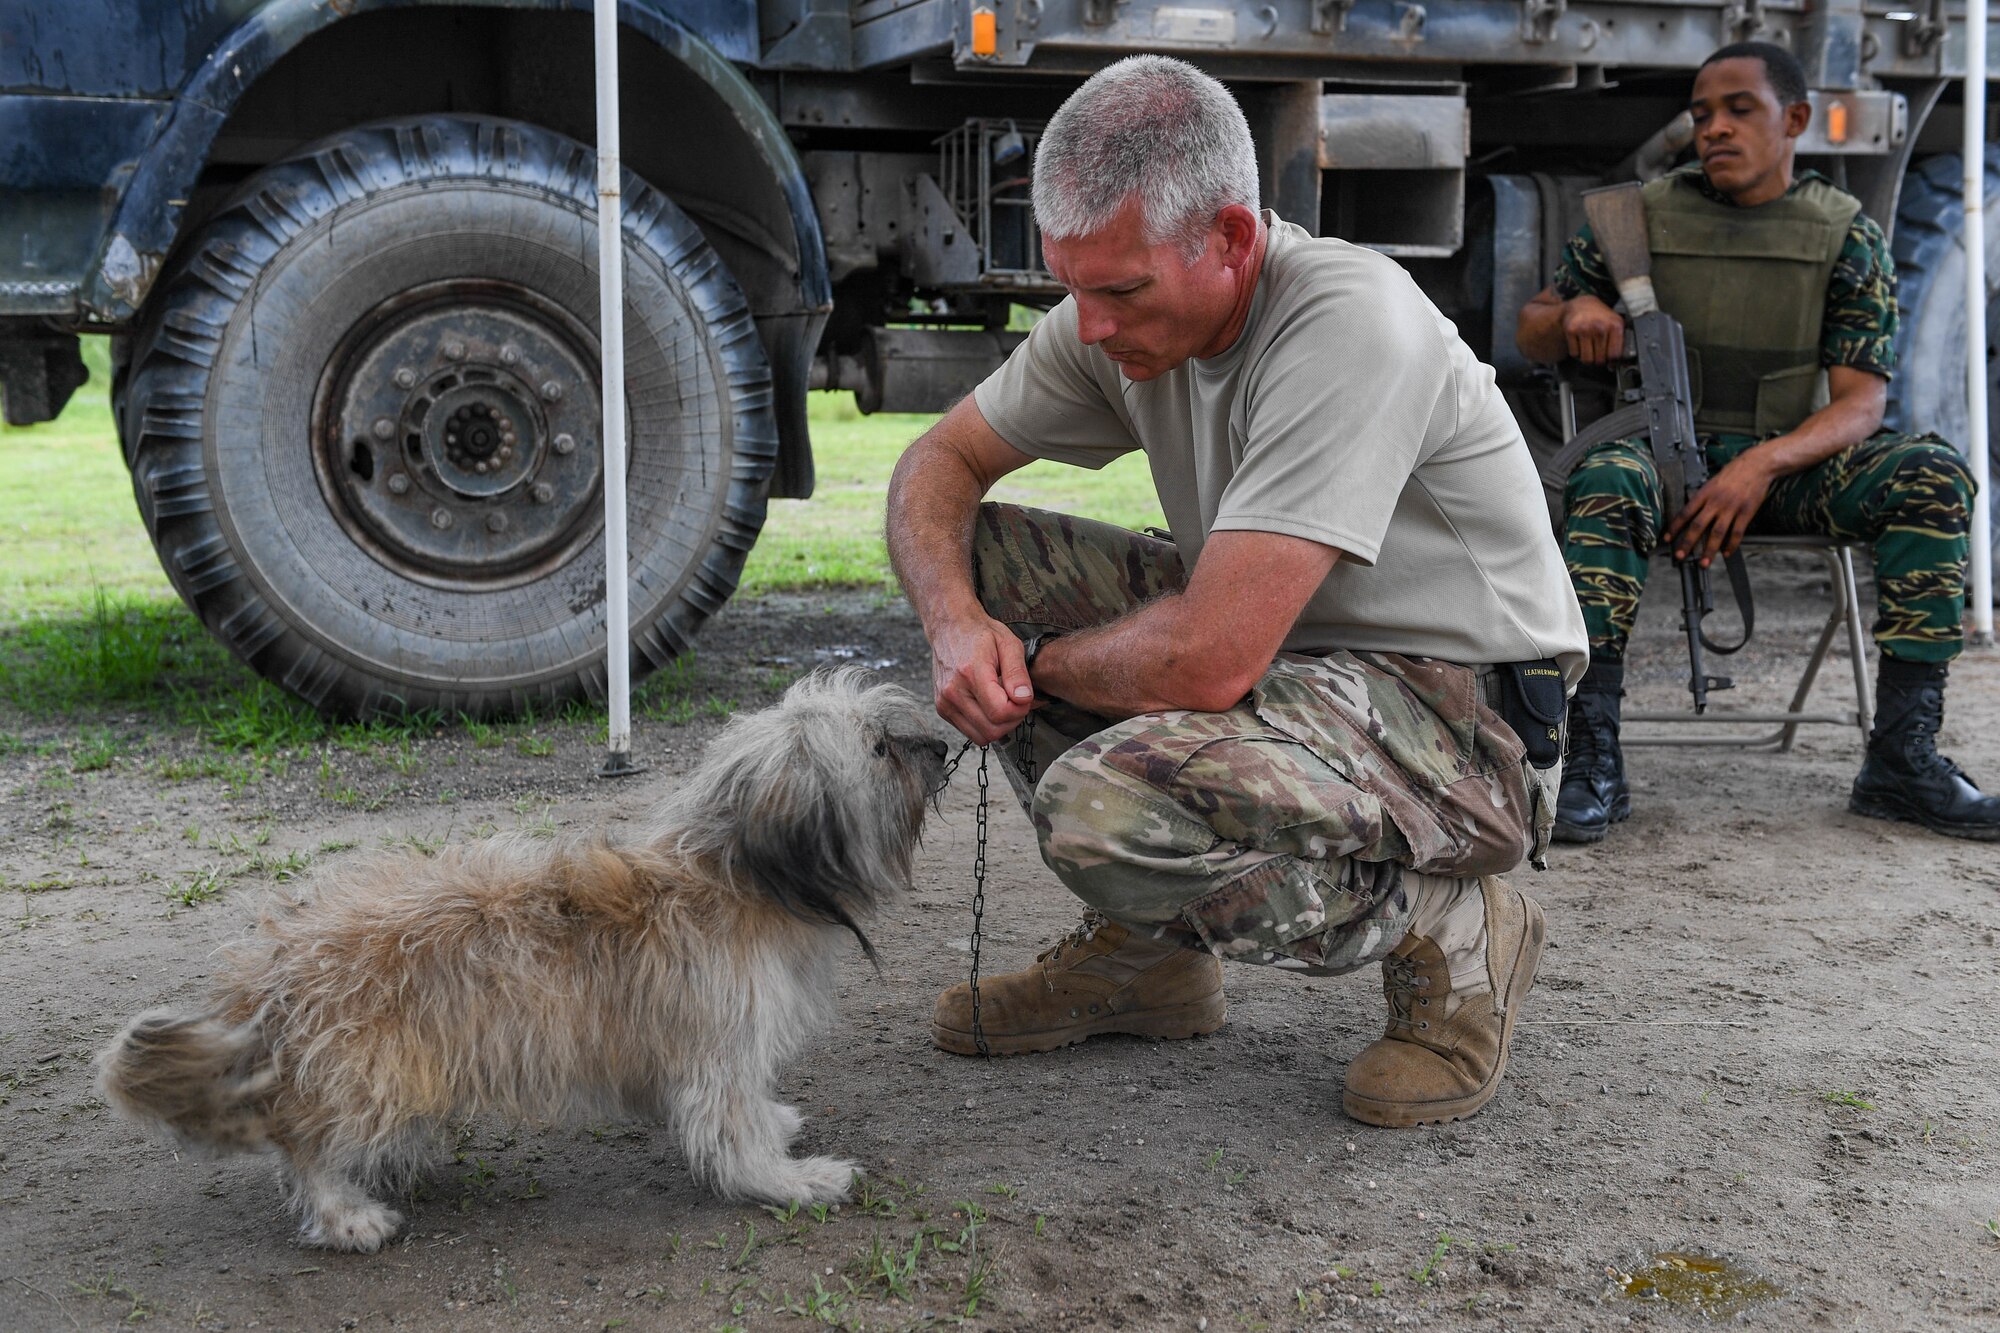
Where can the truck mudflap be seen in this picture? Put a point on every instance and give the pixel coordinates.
(38, 372)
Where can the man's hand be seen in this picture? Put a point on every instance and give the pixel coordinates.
(1719, 513)
(1592, 330)
(1550, 328)
(980, 679)
(981, 685)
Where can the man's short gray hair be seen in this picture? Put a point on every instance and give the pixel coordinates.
(1156, 127)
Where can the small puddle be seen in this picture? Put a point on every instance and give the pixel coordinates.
(1698, 1283)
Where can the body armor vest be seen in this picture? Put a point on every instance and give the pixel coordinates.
(1749, 288)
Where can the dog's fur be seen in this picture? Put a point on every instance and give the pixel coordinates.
(666, 977)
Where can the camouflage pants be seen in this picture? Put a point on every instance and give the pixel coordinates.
(1908, 495)
(1281, 830)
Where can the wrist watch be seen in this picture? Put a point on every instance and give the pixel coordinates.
(1032, 648)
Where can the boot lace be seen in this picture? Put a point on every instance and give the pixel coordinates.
(1082, 933)
(1401, 975)
(1923, 752)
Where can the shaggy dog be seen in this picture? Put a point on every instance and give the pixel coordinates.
(665, 977)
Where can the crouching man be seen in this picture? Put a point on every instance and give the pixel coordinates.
(1277, 737)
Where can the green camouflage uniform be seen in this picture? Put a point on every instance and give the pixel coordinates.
(1277, 831)
(1910, 496)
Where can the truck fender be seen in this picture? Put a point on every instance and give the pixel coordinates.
(148, 221)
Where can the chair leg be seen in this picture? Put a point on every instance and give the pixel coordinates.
(1857, 642)
(1834, 619)
(1846, 610)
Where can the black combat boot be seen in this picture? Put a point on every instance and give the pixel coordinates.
(1594, 795)
(1904, 777)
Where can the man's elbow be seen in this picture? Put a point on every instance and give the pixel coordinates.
(1534, 325)
(1524, 335)
(1209, 685)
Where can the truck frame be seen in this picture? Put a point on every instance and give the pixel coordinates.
(345, 251)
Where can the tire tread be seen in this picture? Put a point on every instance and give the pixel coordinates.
(164, 396)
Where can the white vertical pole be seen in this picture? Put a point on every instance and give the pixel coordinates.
(611, 334)
(1974, 151)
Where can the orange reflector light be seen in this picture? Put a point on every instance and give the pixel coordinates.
(985, 32)
(1836, 122)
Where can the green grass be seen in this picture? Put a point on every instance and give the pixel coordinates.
(66, 507)
(89, 621)
(835, 538)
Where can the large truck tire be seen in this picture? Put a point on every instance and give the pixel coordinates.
(1928, 391)
(362, 416)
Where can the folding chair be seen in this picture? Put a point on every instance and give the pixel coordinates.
(1839, 558)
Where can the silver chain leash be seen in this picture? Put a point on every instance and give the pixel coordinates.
(979, 901)
(1025, 756)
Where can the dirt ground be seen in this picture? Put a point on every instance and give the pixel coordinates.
(1764, 1035)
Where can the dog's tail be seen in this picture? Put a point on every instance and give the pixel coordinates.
(206, 1081)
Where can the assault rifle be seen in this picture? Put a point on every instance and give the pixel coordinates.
(1661, 404)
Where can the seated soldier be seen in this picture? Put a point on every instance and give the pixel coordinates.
(1775, 276)
(1274, 737)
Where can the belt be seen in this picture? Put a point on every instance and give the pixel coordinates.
(1489, 685)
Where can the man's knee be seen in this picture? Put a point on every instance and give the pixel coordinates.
(1000, 534)
(1113, 841)
(1038, 566)
(1929, 487)
(1613, 497)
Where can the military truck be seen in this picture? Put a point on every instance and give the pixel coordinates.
(346, 254)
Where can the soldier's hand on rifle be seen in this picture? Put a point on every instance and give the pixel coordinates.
(1719, 513)
(1593, 331)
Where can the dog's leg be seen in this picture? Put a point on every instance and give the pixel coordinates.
(335, 1212)
(790, 1122)
(735, 1135)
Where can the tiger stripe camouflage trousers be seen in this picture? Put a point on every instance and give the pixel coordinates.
(1909, 496)
(1282, 831)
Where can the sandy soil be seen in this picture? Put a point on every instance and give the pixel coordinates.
(1764, 1034)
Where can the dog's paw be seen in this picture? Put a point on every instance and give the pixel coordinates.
(361, 1228)
(821, 1179)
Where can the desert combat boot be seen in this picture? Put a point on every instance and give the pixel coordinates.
(1098, 978)
(1454, 986)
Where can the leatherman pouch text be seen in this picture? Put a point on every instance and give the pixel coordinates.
(1532, 703)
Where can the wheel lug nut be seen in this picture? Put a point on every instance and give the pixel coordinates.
(543, 492)
(508, 356)
(551, 390)
(405, 377)
(384, 428)
(399, 484)
(454, 350)
(496, 522)
(440, 519)
(480, 467)
(506, 452)
(565, 443)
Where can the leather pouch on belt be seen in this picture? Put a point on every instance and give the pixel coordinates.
(1532, 703)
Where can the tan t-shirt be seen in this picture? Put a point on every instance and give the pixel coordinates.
(1349, 412)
